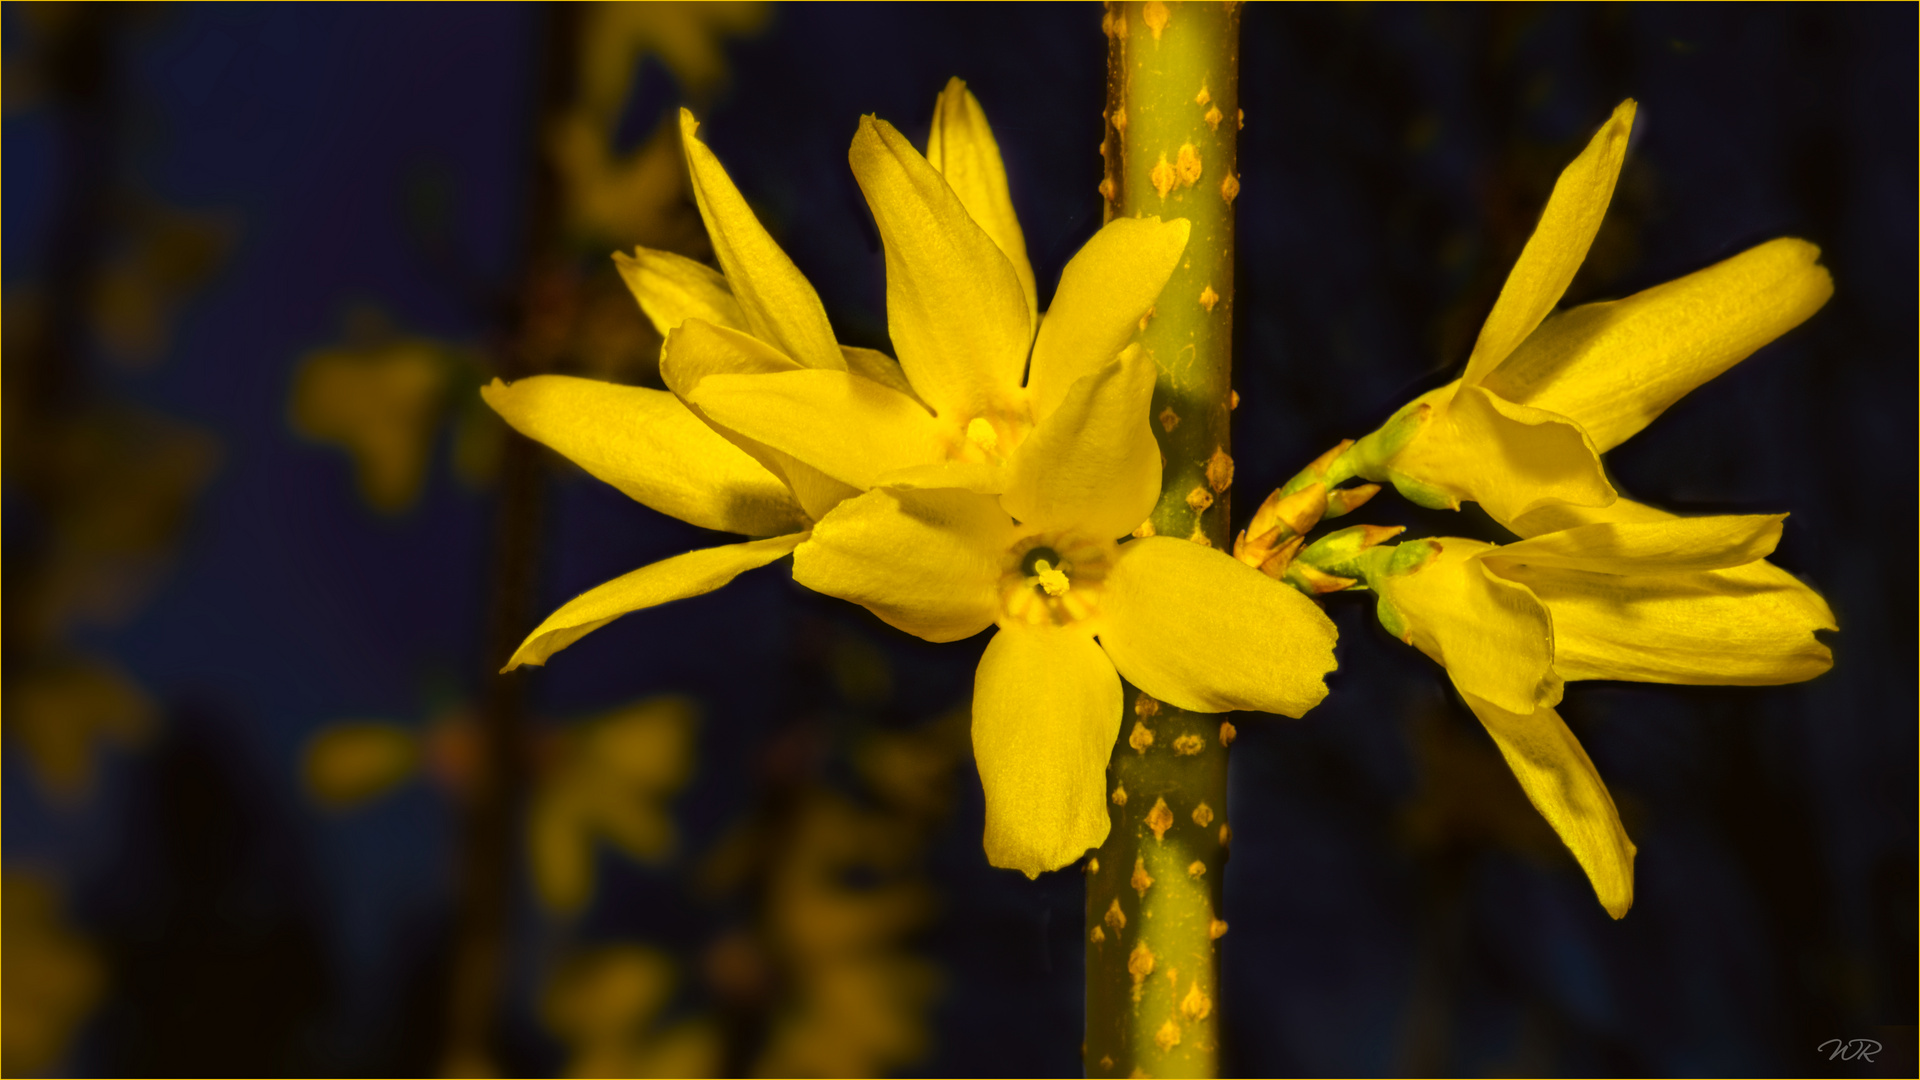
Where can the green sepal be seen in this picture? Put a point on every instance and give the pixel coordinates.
(1421, 493)
(1371, 456)
(1390, 618)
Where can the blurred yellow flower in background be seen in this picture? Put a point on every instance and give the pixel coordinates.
(50, 980)
(604, 1003)
(380, 399)
(610, 778)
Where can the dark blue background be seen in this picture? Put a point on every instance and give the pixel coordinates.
(1393, 161)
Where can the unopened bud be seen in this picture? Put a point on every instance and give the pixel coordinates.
(1339, 552)
(1343, 501)
(1372, 455)
(1310, 580)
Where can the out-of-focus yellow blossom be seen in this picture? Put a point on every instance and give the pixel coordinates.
(50, 980)
(1545, 394)
(348, 764)
(638, 195)
(603, 1005)
(61, 709)
(380, 402)
(785, 423)
(610, 778)
(1655, 599)
(165, 257)
(858, 999)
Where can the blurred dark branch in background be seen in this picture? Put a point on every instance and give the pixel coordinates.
(535, 328)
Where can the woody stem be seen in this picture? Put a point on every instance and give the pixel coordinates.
(1154, 887)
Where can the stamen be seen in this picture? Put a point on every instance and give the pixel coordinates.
(981, 433)
(1053, 581)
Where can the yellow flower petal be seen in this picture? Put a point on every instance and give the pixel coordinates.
(924, 561)
(1104, 290)
(1614, 367)
(648, 445)
(1508, 458)
(1203, 631)
(779, 304)
(1564, 786)
(961, 146)
(955, 308)
(1675, 545)
(965, 475)
(1557, 247)
(1752, 625)
(673, 288)
(676, 578)
(1046, 713)
(850, 428)
(878, 366)
(1093, 465)
(697, 349)
(1494, 637)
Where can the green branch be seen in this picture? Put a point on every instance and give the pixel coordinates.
(1154, 888)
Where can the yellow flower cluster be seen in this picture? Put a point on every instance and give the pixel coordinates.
(988, 477)
(1600, 587)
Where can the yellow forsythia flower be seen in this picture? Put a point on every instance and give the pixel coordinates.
(1188, 624)
(786, 423)
(1545, 394)
(990, 499)
(1599, 587)
(1655, 599)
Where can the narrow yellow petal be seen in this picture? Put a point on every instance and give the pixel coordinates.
(1093, 465)
(1105, 289)
(1046, 713)
(697, 349)
(961, 146)
(1675, 545)
(648, 445)
(924, 561)
(1508, 458)
(1751, 625)
(1557, 247)
(1564, 786)
(1554, 517)
(1203, 631)
(966, 475)
(878, 366)
(1614, 367)
(1494, 637)
(673, 288)
(853, 429)
(779, 304)
(955, 308)
(677, 578)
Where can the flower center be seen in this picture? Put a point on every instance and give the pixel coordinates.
(1054, 579)
(989, 437)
